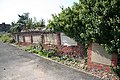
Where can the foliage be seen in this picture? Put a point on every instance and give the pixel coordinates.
(69, 61)
(116, 70)
(38, 24)
(44, 53)
(91, 21)
(25, 23)
(6, 38)
(49, 53)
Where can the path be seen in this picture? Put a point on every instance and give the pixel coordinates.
(16, 64)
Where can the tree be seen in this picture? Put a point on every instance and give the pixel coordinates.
(108, 20)
(15, 28)
(91, 21)
(23, 20)
(29, 24)
(26, 23)
(39, 24)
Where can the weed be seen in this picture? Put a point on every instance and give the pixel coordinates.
(6, 38)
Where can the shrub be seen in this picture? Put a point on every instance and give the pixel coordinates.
(116, 70)
(6, 38)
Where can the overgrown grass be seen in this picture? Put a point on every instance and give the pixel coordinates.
(6, 38)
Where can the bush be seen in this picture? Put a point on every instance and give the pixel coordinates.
(116, 70)
(6, 38)
(50, 54)
(46, 53)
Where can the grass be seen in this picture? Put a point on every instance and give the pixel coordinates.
(6, 38)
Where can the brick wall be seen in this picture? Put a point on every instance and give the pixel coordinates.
(28, 39)
(73, 50)
(76, 50)
(114, 60)
(98, 65)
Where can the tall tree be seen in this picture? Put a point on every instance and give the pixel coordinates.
(91, 20)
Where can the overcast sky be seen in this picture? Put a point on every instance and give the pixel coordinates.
(9, 9)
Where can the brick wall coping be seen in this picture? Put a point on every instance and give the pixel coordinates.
(35, 32)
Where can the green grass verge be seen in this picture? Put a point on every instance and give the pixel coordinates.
(6, 38)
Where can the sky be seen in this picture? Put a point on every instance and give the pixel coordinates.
(41, 9)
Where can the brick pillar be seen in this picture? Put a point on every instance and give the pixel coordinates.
(31, 38)
(59, 40)
(42, 38)
(24, 39)
(17, 38)
(89, 54)
(81, 50)
(114, 60)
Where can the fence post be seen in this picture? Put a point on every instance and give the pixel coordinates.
(42, 38)
(17, 38)
(59, 40)
(114, 60)
(31, 39)
(24, 39)
(89, 55)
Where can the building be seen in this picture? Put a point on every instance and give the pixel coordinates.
(4, 27)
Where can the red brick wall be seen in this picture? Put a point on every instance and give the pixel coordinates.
(97, 65)
(70, 50)
(73, 50)
(24, 43)
(89, 55)
(114, 60)
(59, 41)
